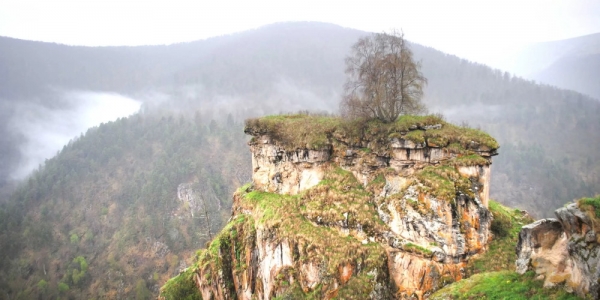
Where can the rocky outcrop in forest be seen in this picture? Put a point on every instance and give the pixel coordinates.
(565, 251)
(352, 210)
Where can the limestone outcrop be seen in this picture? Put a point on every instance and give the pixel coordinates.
(566, 250)
(386, 213)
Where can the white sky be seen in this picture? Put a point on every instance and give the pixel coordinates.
(478, 30)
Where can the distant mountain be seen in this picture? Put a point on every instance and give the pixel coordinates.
(280, 67)
(295, 66)
(119, 177)
(571, 64)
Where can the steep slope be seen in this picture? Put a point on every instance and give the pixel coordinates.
(120, 209)
(350, 209)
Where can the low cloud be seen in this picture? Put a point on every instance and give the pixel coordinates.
(49, 125)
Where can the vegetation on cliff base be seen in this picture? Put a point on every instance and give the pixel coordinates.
(492, 275)
(102, 218)
(501, 254)
(339, 200)
(302, 131)
(501, 285)
(181, 287)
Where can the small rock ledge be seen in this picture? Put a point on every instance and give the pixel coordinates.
(566, 250)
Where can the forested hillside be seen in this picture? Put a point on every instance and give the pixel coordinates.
(103, 218)
(299, 66)
(547, 135)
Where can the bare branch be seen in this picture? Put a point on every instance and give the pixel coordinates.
(383, 79)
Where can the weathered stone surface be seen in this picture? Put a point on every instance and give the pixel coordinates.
(426, 240)
(482, 184)
(278, 171)
(538, 239)
(563, 251)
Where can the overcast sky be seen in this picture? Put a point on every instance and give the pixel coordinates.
(475, 29)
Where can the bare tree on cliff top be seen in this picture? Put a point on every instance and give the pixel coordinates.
(384, 81)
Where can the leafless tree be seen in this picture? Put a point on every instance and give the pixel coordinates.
(384, 81)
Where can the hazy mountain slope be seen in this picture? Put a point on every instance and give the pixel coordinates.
(281, 50)
(577, 72)
(292, 66)
(278, 67)
(571, 64)
(546, 134)
(104, 217)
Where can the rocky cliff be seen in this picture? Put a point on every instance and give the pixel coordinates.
(353, 210)
(566, 250)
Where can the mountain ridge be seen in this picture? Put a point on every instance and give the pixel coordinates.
(569, 63)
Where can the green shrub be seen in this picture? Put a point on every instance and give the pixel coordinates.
(141, 291)
(591, 204)
(63, 287)
(502, 223)
(74, 239)
(181, 287)
(42, 285)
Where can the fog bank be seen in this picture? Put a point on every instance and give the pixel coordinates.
(46, 128)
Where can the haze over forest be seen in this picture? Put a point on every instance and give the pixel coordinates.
(144, 120)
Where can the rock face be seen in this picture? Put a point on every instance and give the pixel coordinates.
(563, 250)
(276, 170)
(374, 218)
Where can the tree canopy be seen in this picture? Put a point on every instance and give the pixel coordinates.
(384, 81)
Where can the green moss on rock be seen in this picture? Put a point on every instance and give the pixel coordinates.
(302, 131)
(591, 205)
(443, 182)
(181, 287)
(338, 201)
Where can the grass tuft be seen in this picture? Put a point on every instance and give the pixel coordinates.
(591, 205)
(501, 285)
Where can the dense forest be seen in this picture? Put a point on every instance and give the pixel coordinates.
(103, 218)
